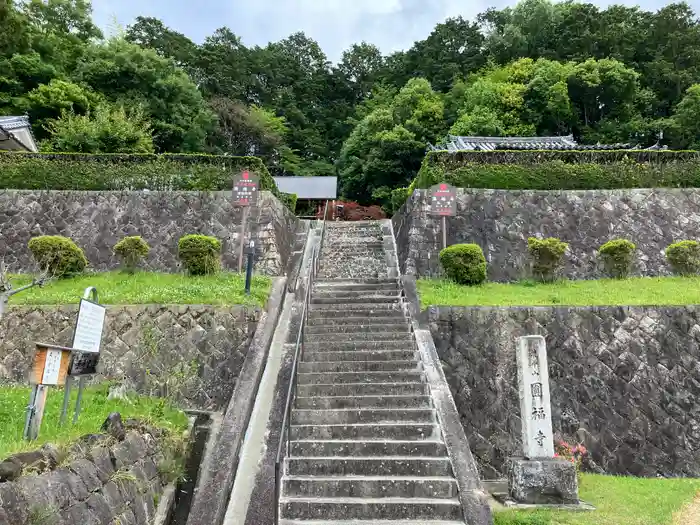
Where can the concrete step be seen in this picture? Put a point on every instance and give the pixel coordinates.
(354, 294)
(377, 466)
(364, 402)
(369, 522)
(355, 337)
(360, 299)
(373, 431)
(369, 486)
(355, 309)
(363, 282)
(362, 389)
(389, 317)
(367, 508)
(350, 416)
(358, 366)
(334, 378)
(356, 316)
(400, 327)
(353, 346)
(345, 286)
(368, 355)
(339, 448)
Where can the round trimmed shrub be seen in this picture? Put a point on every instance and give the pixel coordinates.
(617, 256)
(684, 257)
(131, 250)
(547, 257)
(200, 254)
(60, 256)
(464, 263)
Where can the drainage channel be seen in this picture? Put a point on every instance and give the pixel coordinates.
(184, 492)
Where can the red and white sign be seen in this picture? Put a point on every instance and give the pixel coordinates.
(443, 200)
(245, 189)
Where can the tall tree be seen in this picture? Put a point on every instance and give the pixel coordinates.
(134, 77)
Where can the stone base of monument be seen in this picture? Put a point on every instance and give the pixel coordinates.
(542, 482)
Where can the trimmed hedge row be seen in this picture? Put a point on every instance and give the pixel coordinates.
(560, 170)
(77, 171)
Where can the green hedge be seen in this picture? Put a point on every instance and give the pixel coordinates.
(561, 170)
(77, 171)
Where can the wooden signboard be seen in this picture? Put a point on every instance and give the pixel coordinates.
(49, 365)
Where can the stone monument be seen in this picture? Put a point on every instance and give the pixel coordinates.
(538, 477)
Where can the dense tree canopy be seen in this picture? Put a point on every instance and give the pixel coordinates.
(603, 74)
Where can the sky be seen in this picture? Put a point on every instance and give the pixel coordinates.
(392, 25)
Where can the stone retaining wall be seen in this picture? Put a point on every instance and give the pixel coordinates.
(113, 484)
(501, 221)
(625, 381)
(191, 353)
(96, 221)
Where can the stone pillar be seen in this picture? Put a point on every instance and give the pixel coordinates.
(538, 477)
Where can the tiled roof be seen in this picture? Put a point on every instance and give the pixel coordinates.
(456, 143)
(316, 188)
(10, 123)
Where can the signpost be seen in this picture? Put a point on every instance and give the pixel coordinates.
(86, 348)
(245, 195)
(49, 368)
(443, 202)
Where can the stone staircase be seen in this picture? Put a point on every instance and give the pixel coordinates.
(365, 445)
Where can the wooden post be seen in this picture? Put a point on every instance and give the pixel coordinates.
(38, 411)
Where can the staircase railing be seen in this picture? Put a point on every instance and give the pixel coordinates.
(283, 448)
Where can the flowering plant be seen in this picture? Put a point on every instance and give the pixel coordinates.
(572, 453)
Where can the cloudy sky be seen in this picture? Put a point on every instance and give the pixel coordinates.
(335, 24)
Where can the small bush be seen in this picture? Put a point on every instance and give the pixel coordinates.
(618, 256)
(200, 254)
(60, 256)
(464, 263)
(547, 257)
(684, 257)
(131, 250)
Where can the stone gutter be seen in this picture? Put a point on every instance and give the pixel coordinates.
(220, 463)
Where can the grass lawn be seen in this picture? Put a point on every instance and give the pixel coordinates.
(147, 288)
(619, 501)
(95, 408)
(603, 292)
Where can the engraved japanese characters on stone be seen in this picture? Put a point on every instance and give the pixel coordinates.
(535, 407)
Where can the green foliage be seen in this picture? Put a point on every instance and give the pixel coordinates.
(60, 256)
(106, 130)
(618, 256)
(547, 257)
(464, 263)
(132, 250)
(289, 200)
(117, 172)
(684, 257)
(387, 146)
(49, 101)
(168, 98)
(561, 170)
(200, 254)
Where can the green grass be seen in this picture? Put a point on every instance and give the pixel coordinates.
(147, 288)
(95, 408)
(618, 500)
(603, 292)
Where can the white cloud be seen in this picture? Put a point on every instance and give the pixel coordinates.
(335, 24)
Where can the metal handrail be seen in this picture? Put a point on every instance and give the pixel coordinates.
(283, 448)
